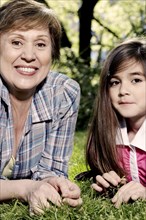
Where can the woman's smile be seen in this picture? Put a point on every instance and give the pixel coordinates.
(26, 58)
(27, 71)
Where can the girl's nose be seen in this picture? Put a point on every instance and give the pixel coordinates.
(124, 89)
(28, 53)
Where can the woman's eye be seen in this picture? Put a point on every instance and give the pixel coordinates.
(41, 45)
(16, 43)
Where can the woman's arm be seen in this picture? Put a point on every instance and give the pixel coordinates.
(59, 137)
(36, 193)
(69, 191)
(10, 189)
(39, 193)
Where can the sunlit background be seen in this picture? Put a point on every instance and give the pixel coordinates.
(112, 22)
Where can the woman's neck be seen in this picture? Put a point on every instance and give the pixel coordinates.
(20, 107)
(20, 111)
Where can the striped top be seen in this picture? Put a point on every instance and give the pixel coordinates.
(46, 144)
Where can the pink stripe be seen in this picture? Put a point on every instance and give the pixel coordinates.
(124, 160)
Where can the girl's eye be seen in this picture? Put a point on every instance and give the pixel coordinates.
(114, 83)
(136, 80)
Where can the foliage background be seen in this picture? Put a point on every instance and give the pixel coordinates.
(112, 22)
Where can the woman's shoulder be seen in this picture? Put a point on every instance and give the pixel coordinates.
(60, 83)
(57, 79)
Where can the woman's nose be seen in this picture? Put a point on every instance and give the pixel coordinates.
(28, 53)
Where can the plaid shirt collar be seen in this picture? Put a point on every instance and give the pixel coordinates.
(40, 110)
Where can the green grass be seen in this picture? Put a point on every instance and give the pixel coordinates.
(94, 207)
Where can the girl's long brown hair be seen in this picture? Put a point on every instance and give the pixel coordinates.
(101, 153)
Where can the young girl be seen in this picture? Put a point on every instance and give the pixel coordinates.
(116, 147)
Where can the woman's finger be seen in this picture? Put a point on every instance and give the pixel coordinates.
(73, 202)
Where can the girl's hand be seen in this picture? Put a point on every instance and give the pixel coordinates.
(132, 190)
(38, 196)
(69, 191)
(106, 180)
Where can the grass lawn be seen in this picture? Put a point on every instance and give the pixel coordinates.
(93, 208)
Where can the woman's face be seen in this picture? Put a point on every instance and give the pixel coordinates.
(25, 58)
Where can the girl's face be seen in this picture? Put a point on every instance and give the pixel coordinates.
(128, 92)
(25, 58)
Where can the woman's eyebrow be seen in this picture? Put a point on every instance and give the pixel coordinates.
(23, 36)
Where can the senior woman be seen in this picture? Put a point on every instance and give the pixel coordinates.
(38, 109)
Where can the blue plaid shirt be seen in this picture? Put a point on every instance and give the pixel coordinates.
(47, 141)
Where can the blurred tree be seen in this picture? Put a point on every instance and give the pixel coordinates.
(85, 18)
(93, 28)
(64, 40)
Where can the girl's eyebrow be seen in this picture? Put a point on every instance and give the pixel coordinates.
(131, 74)
(137, 73)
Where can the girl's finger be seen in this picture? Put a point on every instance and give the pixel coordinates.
(115, 176)
(97, 187)
(101, 181)
(111, 177)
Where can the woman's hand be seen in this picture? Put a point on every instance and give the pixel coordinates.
(68, 190)
(106, 180)
(132, 190)
(38, 196)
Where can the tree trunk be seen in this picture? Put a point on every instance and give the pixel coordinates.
(65, 42)
(85, 17)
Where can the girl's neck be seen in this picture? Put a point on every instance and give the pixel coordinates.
(133, 126)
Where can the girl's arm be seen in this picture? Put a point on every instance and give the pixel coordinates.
(132, 190)
(106, 180)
